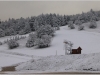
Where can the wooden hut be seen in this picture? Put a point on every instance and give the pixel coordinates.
(76, 51)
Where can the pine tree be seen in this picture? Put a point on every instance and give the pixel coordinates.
(36, 25)
(93, 24)
(31, 40)
(71, 25)
(2, 33)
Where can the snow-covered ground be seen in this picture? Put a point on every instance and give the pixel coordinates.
(63, 63)
(88, 40)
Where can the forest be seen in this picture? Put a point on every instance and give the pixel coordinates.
(44, 27)
(26, 25)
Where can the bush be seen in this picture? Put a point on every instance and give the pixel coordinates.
(58, 28)
(43, 42)
(12, 44)
(70, 25)
(1, 43)
(81, 27)
(92, 24)
(31, 40)
(16, 38)
(2, 33)
(78, 22)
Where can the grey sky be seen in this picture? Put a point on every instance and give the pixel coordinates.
(17, 9)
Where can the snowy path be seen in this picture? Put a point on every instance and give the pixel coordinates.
(15, 53)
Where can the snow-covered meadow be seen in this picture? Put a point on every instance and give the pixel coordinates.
(88, 40)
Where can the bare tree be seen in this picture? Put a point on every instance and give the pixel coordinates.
(68, 47)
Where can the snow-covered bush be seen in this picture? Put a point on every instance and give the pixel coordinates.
(1, 43)
(12, 44)
(45, 30)
(71, 25)
(22, 37)
(81, 27)
(2, 33)
(44, 41)
(78, 22)
(31, 40)
(93, 24)
(58, 28)
(16, 38)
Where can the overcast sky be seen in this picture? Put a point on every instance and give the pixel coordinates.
(17, 9)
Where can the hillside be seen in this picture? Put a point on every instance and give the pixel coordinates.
(87, 39)
(67, 63)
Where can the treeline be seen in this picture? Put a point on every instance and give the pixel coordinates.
(26, 25)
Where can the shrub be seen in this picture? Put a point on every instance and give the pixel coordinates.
(58, 28)
(2, 33)
(12, 44)
(70, 25)
(78, 22)
(1, 43)
(43, 42)
(92, 24)
(31, 40)
(81, 27)
(16, 38)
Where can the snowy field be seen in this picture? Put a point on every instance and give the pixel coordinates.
(88, 40)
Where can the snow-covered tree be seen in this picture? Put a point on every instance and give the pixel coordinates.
(16, 38)
(1, 43)
(78, 22)
(44, 41)
(71, 25)
(68, 47)
(36, 25)
(45, 30)
(2, 33)
(81, 27)
(55, 22)
(26, 29)
(31, 40)
(12, 44)
(93, 24)
(10, 31)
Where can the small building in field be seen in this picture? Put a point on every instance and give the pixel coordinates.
(76, 51)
